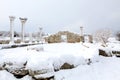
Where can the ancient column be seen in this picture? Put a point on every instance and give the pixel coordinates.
(40, 35)
(23, 20)
(81, 30)
(11, 29)
(81, 34)
(30, 37)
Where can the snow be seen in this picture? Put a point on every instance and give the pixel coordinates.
(47, 75)
(4, 38)
(113, 44)
(105, 69)
(4, 75)
(53, 56)
(113, 40)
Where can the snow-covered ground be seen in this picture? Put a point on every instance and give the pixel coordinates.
(52, 56)
(105, 69)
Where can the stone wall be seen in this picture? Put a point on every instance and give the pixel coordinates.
(56, 38)
(71, 37)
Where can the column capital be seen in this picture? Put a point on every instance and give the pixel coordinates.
(81, 27)
(12, 18)
(40, 28)
(23, 20)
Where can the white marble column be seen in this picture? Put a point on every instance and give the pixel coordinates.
(81, 31)
(23, 21)
(81, 34)
(40, 35)
(30, 38)
(12, 18)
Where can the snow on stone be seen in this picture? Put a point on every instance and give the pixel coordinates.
(113, 44)
(105, 69)
(55, 55)
(47, 75)
(4, 75)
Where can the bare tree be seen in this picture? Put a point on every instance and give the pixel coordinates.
(102, 36)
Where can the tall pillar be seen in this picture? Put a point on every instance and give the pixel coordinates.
(23, 20)
(30, 37)
(40, 35)
(81, 34)
(81, 30)
(11, 29)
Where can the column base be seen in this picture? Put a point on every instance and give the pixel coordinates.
(22, 43)
(11, 42)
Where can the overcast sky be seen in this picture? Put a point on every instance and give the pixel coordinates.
(56, 15)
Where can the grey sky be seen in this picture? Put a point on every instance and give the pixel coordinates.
(56, 15)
